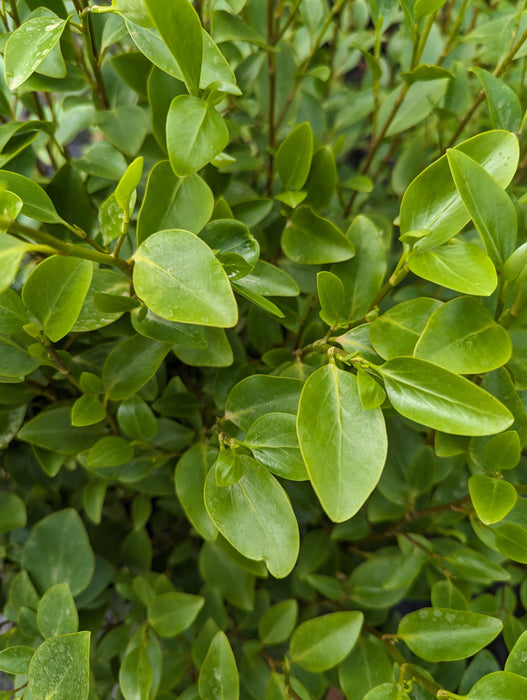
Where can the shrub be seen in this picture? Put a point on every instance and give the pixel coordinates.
(263, 356)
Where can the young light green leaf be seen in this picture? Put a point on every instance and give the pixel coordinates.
(171, 613)
(497, 453)
(309, 239)
(396, 332)
(60, 668)
(12, 250)
(511, 540)
(345, 468)
(218, 676)
(492, 498)
(87, 410)
(190, 476)
(128, 183)
(273, 441)
(28, 46)
(60, 537)
(293, 157)
(462, 337)
(256, 517)
(331, 296)
(136, 674)
(260, 394)
(196, 133)
(445, 214)
(55, 292)
(171, 202)
(228, 468)
(443, 634)
(371, 393)
(180, 28)
(277, 622)
(463, 268)
(433, 396)
(516, 661)
(179, 278)
(504, 106)
(57, 613)
(489, 206)
(323, 642)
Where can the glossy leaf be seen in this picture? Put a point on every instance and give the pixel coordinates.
(462, 337)
(504, 106)
(12, 251)
(171, 613)
(171, 202)
(445, 401)
(55, 292)
(445, 214)
(278, 621)
(180, 28)
(16, 659)
(135, 674)
(309, 239)
(293, 157)
(198, 292)
(60, 668)
(273, 441)
(491, 498)
(397, 331)
(489, 206)
(323, 642)
(345, 469)
(500, 684)
(257, 395)
(143, 357)
(218, 676)
(191, 472)
(52, 430)
(256, 517)
(511, 541)
(57, 613)
(367, 666)
(443, 634)
(28, 46)
(463, 268)
(196, 133)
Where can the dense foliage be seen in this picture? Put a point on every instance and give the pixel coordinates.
(263, 350)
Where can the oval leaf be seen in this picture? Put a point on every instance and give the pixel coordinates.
(218, 676)
(491, 498)
(60, 668)
(343, 445)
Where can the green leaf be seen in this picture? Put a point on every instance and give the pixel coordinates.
(293, 157)
(463, 268)
(433, 396)
(504, 106)
(110, 451)
(516, 660)
(196, 133)
(343, 445)
(55, 291)
(445, 214)
(228, 468)
(11, 253)
(462, 337)
(12, 512)
(103, 282)
(256, 517)
(257, 395)
(16, 659)
(443, 634)
(61, 538)
(309, 239)
(171, 202)
(489, 206)
(511, 541)
(218, 676)
(143, 357)
(426, 7)
(218, 352)
(323, 642)
(190, 476)
(13, 315)
(52, 430)
(87, 410)
(273, 441)
(371, 393)
(397, 331)
(492, 498)
(157, 328)
(179, 278)
(277, 622)
(367, 666)
(57, 613)
(136, 419)
(180, 28)
(331, 296)
(269, 281)
(28, 46)
(128, 183)
(37, 204)
(171, 613)
(231, 236)
(60, 668)
(10, 207)
(136, 674)
(500, 684)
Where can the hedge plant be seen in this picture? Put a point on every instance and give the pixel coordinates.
(263, 350)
